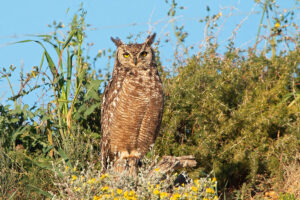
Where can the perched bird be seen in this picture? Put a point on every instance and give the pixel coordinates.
(132, 106)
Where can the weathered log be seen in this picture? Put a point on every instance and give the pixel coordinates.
(170, 163)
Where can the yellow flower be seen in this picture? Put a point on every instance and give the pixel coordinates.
(119, 191)
(196, 181)
(210, 190)
(91, 181)
(157, 169)
(66, 168)
(163, 195)
(126, 194)
(175, 196)
(220, 14)
(277, 25)
(131, 193)
(194, 189)
(103, 176)
(74, 169)
(74, 177)
(33, 73)
(77, 189)
(216, 197)
(96, 198)
(105, 188)
(156, 191)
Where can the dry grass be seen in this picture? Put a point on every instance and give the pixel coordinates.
(292, 177)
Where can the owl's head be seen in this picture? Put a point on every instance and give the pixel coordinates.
(135, 55)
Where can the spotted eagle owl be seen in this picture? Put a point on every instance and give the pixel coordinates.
(132, 105)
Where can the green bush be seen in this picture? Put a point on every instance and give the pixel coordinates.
(238, 115)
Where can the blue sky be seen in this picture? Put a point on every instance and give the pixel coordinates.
(20, 19)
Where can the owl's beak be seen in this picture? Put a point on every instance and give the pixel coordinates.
(135, 60)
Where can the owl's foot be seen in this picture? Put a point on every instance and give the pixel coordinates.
(128, 163)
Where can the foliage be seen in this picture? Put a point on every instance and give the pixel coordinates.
(239, 116)
(92, 184)
(237, 112)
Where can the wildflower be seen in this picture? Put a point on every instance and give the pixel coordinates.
(96, 198)
(33, 73)
(74, 169)
(220, 14)
(92, 181)
(214, 179)
(74, 177)
(196, 181)
(156, 192)
(103, 176)
(131, 193)
(175, 196)
(210, 190)
(77, 189)
(157, 169)
(163, 195)
(194, 189)
(119, 191)
(66, 168)
(216, 197)
(105, 188)
(277, 25)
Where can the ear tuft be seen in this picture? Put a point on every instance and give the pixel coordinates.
(117, 41)
(150, 39)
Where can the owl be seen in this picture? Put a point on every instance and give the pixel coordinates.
(132, 106)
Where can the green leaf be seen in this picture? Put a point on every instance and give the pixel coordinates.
(90, 110)
(40, 191)
(64, 156)
(72, 33)
(48, 57)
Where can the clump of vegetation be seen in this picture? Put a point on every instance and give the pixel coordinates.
(238, 116)
(90, 183)
(237, 112)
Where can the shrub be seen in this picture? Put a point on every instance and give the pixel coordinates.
(239, 116)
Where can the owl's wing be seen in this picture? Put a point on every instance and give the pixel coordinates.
(104, 125)
(151, 123)
(110, 93)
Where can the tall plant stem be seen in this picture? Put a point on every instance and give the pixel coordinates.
(12, 90)
(260, 23)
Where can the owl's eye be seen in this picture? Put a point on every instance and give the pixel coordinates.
(126, 55)
(144, 54)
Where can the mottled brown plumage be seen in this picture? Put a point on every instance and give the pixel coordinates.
(132, 105)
